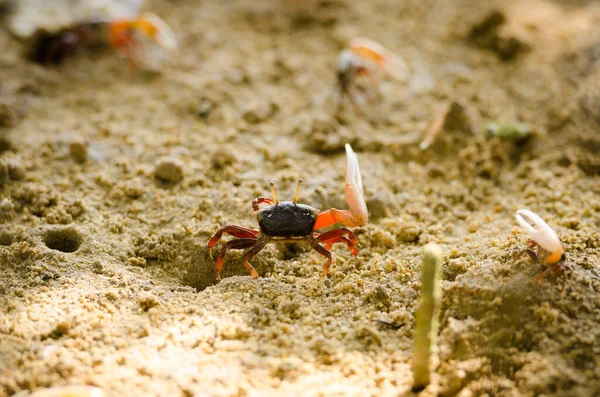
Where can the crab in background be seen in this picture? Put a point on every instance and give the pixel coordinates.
(126, 35)
(358, 60)
(291, 222)
(550, 250)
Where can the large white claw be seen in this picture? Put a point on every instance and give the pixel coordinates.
(358, 214)
(355, 196)
(162, 33)
(542, 234)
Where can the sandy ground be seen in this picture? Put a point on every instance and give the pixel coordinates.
(105, 275)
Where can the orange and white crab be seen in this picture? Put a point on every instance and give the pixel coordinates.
(358, 60)
(126, 35)
(550, 252)
(290, 222)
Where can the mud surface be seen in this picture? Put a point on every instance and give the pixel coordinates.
(113, 179)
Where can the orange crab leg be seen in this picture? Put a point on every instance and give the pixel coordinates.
(336, 233)
(341, 239)
(323, 252)
(236, 245)
(341, 235)
(235, 231)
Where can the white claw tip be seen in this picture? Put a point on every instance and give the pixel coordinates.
(539, 232)
(352, 171)
(354, 188)
(164, 36)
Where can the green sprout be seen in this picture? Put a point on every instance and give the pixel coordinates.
(427, 315)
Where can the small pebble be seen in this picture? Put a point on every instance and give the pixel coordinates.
(7, 115)
(204, 108)
(112, 295)
(16, 169)
(79, 150)
(222, 158)
(169, 170)
(147, 301)
(4, 176)
(258, 112)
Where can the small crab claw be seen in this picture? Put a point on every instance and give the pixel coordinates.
(386, 60)
(358, 214)
(149, 24)
(157, 29)
(542, 234)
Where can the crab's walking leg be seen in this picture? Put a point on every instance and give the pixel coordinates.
(529, 252)
(341, 235)
(255, 249)
(233, 244)
(544, 274)
(235, 231)
(341, 239)
(325, 253)
(358, 214)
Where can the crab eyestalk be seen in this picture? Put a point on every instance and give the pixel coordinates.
(358, 215)
(542, 234)
(427, 315)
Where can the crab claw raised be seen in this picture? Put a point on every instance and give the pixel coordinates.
(122, 31)
(158, 30)
(541, 234)
(358, 214)
(386, 60)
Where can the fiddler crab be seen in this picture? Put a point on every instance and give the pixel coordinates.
(550, 252)
(124, 34)
(357, 60)
(290, 222)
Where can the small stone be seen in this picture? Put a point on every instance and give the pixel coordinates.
(256, 113)
(5, 143)
(4, 176)
(204, 108)
(137, 261)
(148, 301)
(111, 295)
(6, 210)
(16, 169)
(7, 115)
(222, 158)
(169, 170)
(79, 150)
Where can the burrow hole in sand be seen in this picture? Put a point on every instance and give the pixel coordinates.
(6, 238)
(63, 239)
